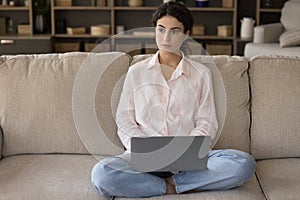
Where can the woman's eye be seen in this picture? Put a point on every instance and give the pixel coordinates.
(161, 30)
(175, 32)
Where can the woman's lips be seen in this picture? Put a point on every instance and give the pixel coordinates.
(166, 46)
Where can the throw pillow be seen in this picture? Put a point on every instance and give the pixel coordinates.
(290, 38)
(290, 15)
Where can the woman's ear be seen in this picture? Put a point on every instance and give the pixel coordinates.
(188, 33)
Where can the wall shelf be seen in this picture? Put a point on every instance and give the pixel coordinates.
(83, 13)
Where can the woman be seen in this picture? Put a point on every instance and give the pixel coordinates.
(169, 94)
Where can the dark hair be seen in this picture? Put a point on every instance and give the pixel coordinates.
(177, 10)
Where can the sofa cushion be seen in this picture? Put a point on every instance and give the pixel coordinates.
(47, 177)
(275, 107)
(280, 178)
(290, 15)
(290, 38)
(43, 95)
(248, 191)
(235, 132)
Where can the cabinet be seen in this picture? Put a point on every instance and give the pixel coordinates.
(17, 30)
(268, 11)
(88, 13)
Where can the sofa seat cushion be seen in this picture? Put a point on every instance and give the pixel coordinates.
(280, 178)
(45, 177)
(248, 191)
(255, 49)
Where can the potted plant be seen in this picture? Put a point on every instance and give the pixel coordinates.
(41, 10)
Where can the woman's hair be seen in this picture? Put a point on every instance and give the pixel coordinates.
(177, 10)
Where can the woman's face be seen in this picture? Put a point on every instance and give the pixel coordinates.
(170, 34)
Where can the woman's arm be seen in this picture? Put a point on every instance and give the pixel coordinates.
(205, 119)
(125, 116)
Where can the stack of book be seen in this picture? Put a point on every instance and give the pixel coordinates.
(2, 26)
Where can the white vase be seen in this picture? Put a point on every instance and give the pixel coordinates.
(247, 27)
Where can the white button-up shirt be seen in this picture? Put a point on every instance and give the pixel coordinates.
(150, 105)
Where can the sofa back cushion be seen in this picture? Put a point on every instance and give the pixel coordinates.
(275, 92)
(290, 15)
(47, 101)
(233, 70)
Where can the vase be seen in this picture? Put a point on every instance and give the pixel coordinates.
(40, 22)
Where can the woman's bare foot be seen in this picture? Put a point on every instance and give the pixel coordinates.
(170, 186)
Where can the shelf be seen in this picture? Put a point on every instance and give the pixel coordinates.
(26, 37)
(85, 15)
(14, 8)
(150, 8)
(212, 37)
(271, 10)
(80, 36)
(265, 15)
(212, 9)
(82, 8)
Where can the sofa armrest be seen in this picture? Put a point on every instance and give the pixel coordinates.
(267, 33)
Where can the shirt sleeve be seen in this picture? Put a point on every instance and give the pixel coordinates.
(125, 116)
(205, 119)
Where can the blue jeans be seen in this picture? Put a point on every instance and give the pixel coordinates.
(226, 169)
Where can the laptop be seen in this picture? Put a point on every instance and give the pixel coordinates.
(169, 153)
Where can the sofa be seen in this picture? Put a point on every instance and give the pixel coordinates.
(282, 38)
(57, 121)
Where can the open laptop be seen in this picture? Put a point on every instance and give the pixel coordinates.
(169, 153)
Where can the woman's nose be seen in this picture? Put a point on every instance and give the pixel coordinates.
(167, 36)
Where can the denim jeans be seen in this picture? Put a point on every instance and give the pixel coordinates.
(226, 169)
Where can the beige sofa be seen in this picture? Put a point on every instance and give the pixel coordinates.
(57, 121)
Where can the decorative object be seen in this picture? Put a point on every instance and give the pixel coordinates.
(40, 22)
(135, 3)
(26, 3)
(227, 3)
(166, 1)
(247, 27)
(101, 3)
(267, 3)
(224, 30)
(24, 29)
(4, 2)
(41, 9)
(198, 29)
(181, 1)
(62, 47)
(120, 29)
(219, 48)
(100, 30)
(63, 2)
(201, 3)
(76, 30)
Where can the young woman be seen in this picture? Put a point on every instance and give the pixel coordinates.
(169, 94)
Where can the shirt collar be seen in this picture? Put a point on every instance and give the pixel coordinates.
(182, 68)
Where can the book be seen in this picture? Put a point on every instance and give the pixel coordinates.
(2, 26)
